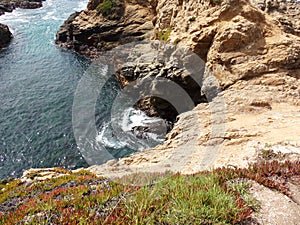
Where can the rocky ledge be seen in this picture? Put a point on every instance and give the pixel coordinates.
(238, 39)
(5, 36)
(253, 55)
(10, 5)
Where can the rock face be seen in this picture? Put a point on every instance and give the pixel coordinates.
(237, 40)
(95, 30)
(252, 48)
(168, 83)
(285, 12)
(253, 54)
(5, 35)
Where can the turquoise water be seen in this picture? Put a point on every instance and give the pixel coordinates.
(37, 84)
(38, 81)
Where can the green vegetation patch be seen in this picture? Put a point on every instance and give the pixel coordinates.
(180, 199)
(106, 7)
(163, 35)
(216, 197)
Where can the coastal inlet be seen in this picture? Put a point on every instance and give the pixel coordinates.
(37, 85)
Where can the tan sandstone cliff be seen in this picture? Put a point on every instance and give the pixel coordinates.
(254, 54)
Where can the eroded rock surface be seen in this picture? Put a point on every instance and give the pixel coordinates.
(285, 12)
(275, 208)
(237, 40)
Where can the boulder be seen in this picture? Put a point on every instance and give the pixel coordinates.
(5, 36)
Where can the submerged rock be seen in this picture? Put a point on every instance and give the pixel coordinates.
(5, 35)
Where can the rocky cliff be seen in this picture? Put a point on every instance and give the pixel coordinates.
(252, 48)
(257, 66)
(5, 35)
(95, 29)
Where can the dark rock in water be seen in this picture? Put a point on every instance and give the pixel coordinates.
(6, 7)
(5, 35)
(9, 6)
(64, 35)
(30, 4)
(163, 78)
(141, 132)
(158, 107)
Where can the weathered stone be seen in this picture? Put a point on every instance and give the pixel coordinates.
(285, 12)
(275, 208)
(237, 40)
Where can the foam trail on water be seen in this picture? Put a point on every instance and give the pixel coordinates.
(133, 126)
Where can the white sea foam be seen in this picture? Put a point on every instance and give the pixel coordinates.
(81, 5)
(135, 118)
(17, 15)
(125, 135)
(107, 138)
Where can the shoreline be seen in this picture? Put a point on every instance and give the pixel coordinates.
(8, 7)
(235, 145)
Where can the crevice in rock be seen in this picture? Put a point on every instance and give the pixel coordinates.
(165, 107)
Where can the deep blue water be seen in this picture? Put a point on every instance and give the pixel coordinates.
(38, 81)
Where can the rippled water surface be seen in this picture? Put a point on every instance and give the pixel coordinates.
(37, 83)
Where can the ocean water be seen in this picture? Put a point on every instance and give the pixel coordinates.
(37, 85)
